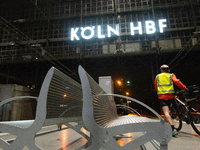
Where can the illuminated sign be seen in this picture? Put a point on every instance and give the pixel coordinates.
(90, 32)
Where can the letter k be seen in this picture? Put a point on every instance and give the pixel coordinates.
(73, 34)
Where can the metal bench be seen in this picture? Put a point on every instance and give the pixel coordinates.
(101, 120)
(59, 102)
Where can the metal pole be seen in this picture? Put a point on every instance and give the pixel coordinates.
(81, 44)
(193, 15)
(156, 38)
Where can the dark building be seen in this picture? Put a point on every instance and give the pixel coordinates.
(128, 39)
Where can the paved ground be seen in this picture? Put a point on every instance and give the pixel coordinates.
(69, 140)
(188, 139)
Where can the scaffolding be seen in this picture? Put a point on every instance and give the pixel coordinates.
(28, 26)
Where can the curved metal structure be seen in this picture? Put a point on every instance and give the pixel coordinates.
(100, 118)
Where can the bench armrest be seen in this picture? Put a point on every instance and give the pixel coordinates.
(134, 100)
(15, 98)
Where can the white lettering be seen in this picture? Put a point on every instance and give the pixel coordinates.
(115, 31)
(73, 34)
(161, 25)
(90, 32)
(139, 28)
(99, 33)
(89, 36)
(150, 27)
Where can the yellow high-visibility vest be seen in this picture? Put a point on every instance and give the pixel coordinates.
(165, 83)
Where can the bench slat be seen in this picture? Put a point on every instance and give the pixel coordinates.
(64, 97)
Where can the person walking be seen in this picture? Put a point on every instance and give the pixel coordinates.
(164, 85)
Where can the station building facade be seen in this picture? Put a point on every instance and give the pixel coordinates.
(70, 29)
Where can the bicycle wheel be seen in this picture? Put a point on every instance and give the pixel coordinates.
(176, 118)
(195, 117)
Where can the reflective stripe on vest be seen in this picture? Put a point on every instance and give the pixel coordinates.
(165, 83)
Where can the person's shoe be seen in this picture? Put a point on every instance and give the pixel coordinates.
(175, 134)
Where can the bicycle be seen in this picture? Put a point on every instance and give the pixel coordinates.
(188, 111)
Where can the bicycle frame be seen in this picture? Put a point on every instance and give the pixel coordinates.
(186, 101)
(182, 103)
(185, 114)
(188, 111)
